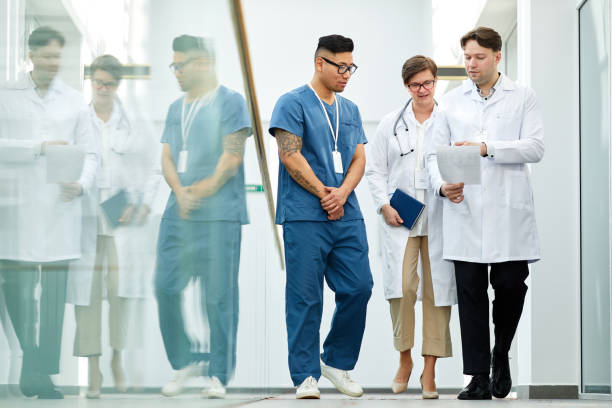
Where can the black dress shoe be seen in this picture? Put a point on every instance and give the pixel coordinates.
(27, 383)
(501, 382)
(477, 389)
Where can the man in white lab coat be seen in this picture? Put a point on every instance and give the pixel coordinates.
(40, 222)
(491, 224)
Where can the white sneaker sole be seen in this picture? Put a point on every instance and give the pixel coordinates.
(215, 395)
(310, 395)
(339, 388)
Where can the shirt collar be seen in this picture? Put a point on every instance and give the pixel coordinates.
(492, 90)
(114, 119)
(409, 114)
(53, 86)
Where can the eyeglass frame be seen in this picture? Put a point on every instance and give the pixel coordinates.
(347, 68)
(178, 66)
(98, 83)
(422, 84)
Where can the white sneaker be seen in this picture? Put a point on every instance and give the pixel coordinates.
(216, 389)
(341, 381)
(175, 386)
(308, 389)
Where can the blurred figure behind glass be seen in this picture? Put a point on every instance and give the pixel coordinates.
(40, 221)
(200, 232)
(110, 263)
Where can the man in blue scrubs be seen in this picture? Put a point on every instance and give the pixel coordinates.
(320, 141)
(200, 232)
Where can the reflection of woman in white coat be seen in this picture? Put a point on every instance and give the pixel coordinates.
(396, 161)
(126, 161)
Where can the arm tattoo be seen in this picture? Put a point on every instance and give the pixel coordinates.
(234, 142)
(302, 181)
(288, 143)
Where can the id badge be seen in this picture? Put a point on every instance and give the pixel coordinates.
(337, 156)
(421, 181)
(182, 161)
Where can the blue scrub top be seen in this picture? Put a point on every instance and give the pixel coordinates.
(299, 112)
(225, 114)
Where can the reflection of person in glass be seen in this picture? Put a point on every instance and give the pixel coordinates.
(110, 257)
(40, 221)
(200, 232)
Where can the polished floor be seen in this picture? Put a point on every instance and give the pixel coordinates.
(327, 400)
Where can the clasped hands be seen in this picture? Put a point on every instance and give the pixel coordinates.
(190, 197)
(333, 202)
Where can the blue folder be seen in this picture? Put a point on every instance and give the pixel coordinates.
(409, 208)
(114, 207)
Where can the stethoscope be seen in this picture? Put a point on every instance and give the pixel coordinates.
(401, 116)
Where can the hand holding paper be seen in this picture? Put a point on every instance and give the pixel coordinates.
(459, 164)
(64, 163)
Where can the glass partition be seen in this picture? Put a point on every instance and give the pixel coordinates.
(133, 213)
(595, 194)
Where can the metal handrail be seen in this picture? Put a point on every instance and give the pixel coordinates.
(249, 87)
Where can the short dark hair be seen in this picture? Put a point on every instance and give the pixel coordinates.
(109, 64)
(416, 64)
(485, 37)
(185, 43)
(334, 43)
(43, 36)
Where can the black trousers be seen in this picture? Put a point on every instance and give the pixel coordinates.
(508, 282)
(20, 279)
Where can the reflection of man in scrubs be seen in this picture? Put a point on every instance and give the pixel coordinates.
(40, 222)
(200, 232)
(320, 140)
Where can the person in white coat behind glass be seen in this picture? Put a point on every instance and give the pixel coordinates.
(40, 219)
(113, 261)
(491, 224)
(396, 160)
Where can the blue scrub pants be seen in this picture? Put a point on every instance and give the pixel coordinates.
(209, 251)
(338, 252)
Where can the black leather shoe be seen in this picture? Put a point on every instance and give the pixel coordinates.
(27, 383)
(501, 382)
(478, 389)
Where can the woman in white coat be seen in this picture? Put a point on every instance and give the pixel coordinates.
(113, 261)
(396, 161)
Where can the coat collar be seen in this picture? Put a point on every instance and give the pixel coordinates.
(505, 84)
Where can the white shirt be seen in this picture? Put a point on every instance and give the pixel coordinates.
(420, 228)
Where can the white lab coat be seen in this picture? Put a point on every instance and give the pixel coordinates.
(128, 162)
(496, 221)
(35, 225)
(386, 171)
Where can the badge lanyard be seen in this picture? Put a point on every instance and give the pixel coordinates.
(337, 157)
(187, 121)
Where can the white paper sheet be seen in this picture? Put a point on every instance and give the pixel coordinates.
(459, 164)
(64, 163)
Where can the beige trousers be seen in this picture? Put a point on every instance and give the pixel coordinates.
(436, 331)
(88, 338)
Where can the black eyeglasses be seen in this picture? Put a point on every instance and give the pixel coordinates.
(415, 86)
(342, 69)
(178, 66)
(98, 83)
